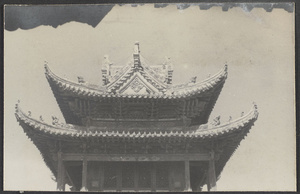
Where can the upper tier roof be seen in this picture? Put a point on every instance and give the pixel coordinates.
(151, 86)
(137, 80)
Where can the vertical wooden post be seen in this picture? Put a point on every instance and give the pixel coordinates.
(171, 177)
(120, 109)
(101, 171)
(153, 177)
(80, 106)
(119, 177)
(60, 172)
(136, 178)
(207, 179)
(63, 175)
(188, 107)
(84, 174)
(211, 175)
(89, 107)
(152, 108)
(187, 175)
(183, 108)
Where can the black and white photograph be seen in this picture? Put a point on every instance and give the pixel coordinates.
(149, 97)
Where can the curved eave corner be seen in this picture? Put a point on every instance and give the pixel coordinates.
(66, 85)
(76, 132)
(232, 146)
(203, 86)
(174, 92)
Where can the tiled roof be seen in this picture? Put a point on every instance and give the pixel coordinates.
(202, 132)
(173, 92)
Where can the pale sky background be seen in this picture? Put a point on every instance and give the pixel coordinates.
(258, 47)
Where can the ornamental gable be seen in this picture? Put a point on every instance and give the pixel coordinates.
(138, 85)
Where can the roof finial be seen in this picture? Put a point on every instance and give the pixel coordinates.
(255, 109)
(46, 66)
(136, 57)
(17, 105)
(136, 49)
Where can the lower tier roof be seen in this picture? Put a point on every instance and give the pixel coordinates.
(61, 131)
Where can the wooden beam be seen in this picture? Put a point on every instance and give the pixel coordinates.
(84, 174)
(187, 176)
(137, 157)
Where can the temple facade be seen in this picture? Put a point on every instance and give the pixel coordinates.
(137, 131)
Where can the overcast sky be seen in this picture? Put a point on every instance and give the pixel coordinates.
(258, 47)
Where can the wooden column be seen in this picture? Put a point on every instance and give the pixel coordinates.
(211, 175)
(136, 179)
(81, 106)
(171, 177)
(101, 172)
(60, 173)
(84, 175)
(153, 177)
(152, 108)
(89, 107)
(119, 178)
(120, 109)
(187, 176)
(183, 108)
